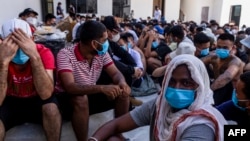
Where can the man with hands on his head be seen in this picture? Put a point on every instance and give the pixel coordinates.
(26, 82)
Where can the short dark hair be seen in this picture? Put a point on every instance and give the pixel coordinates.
(247, 31)
(139, 26)
(239, 38)
(20, 15)
(91, 30)
(124, 37)
(226, 36)
(245, 78)
(201, 38)
(241, 32)
(49, 16)
(129, 35)
(177, 31)
(167, 30)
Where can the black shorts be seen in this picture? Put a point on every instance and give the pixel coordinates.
(97, 103)
(15, 111)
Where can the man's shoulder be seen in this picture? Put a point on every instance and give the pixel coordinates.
(69, 49)
(234, 60)
(42, 49)
(187, 40)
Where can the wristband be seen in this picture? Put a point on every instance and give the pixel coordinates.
(92, 139)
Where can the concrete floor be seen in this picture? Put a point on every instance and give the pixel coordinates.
(32, 132)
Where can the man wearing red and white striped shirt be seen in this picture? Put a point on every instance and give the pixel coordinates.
(79, 68)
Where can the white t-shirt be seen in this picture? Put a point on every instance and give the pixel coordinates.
(157, 14)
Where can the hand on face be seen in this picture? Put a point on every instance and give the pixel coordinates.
(24, 42)
(152, 35)
(8, 50)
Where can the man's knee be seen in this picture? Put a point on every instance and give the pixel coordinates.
(122, 100)
(80, 103)
(50, 109)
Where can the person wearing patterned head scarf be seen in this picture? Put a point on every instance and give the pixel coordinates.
(183, 110)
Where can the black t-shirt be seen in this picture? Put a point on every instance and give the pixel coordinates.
(58, 10)
(242, 55)
(162, 50)
(127, 63)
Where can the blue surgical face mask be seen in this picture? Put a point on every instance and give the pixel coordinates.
(155, 44)
(179, 98)
(129, 45)
(105, 47)
(235, 101)
(124, 47)
(222, 53)
(204, 52)
(20, 58)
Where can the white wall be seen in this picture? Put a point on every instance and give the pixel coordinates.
(142, 8)
(192, 9)
(104, 7)
(172, 10)
(226, 11)
(11, 8)
(216, 13)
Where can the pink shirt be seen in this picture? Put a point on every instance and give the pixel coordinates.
(69, 59)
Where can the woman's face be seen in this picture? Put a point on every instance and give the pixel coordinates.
(181, 79)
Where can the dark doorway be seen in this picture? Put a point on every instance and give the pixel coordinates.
(235, 14)
(83, 6)
(121, 8)
(204, 14)
(47, 7)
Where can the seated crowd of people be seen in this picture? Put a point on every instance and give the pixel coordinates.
(203, 70)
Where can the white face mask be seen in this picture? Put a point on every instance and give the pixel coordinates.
(234, 31)
(116, 37)
(32, 21)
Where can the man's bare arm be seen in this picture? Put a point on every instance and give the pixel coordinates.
(118, 78)
(3, 81)
(71, 87)
(43, 79)
(226, 77)
(7, 51)
(158, 72)
(207, 60)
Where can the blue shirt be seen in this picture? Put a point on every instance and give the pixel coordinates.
(231, 112)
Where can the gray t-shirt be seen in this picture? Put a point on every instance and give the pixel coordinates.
(144, 115)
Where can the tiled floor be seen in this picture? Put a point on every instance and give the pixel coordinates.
(31, 132)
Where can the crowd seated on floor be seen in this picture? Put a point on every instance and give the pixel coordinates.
(97, 64)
